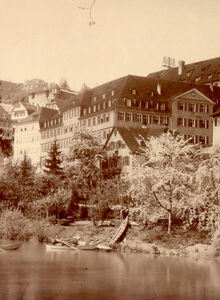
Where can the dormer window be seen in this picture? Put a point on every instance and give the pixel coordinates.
(103, 96)
(134, 92)
(163, 106)
(113, 93)
(198, 78)
(128, 102)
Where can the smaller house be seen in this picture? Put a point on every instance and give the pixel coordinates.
(127, 143)
(22, 110)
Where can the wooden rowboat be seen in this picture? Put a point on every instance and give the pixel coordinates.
(10, 246)
(58, 247)
(120, 232)
(87, 247)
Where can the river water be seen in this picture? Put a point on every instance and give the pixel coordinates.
(31, 272)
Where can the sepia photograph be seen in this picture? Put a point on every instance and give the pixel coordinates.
(109, 150)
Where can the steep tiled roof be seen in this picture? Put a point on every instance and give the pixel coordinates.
(209, 70)
(43, 114)
(63, 104)
(145, 89)
(132, 136)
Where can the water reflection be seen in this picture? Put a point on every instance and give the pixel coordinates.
(31, 272)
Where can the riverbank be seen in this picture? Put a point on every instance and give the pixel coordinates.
(143, 240)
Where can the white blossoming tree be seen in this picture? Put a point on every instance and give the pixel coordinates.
(162, 185)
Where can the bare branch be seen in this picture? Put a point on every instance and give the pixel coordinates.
(92, 21)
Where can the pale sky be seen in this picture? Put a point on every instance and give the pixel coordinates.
(52, 39)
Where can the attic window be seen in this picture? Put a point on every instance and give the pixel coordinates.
(128, 102)
(198, 78)
(103, 96)
(84, 111)
(94, 99)
(134, 92)
(209, 76)
(163, 106)
(113, 93)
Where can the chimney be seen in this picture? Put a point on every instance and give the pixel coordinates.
(180, 67)
(159, 88)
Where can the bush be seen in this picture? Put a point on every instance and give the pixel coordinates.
(100, 212)
(45, 231)
(216, 242)
(14, 225)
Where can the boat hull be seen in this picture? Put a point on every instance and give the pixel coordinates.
(11, 246)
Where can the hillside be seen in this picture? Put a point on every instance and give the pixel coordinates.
(11, 92)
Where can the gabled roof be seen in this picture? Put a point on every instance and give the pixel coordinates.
(63, 104)
(43, 114)
(132, 136)
(209, 70)
(146, 89)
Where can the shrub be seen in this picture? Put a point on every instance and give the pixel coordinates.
(216, 242)
(45, 231)
(14, 225)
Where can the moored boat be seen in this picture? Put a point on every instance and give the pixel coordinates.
(10, 245)
(86, 247)
(58, 247)
(120, 232)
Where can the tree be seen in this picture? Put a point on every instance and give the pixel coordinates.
(64, 84)
(84, 159)
(53, 163)
(162, 184)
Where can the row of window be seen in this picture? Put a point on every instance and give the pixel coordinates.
(142, 118)
(27, 139)
(19, 113)
(193, 107)
(97, 107)
(52, 122)
(192, 123)
(58, 131)
(196, 139)
(145, 104)
(116, 145)
(96, 120)
(61, 145)
(71, 113)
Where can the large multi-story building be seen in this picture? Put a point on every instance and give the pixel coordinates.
(135, 101)
(128, 102)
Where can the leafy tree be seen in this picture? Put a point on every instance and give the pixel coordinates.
(161, 185)
(64, 84)
(53, 163)
(205, 211)
(84, 159)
